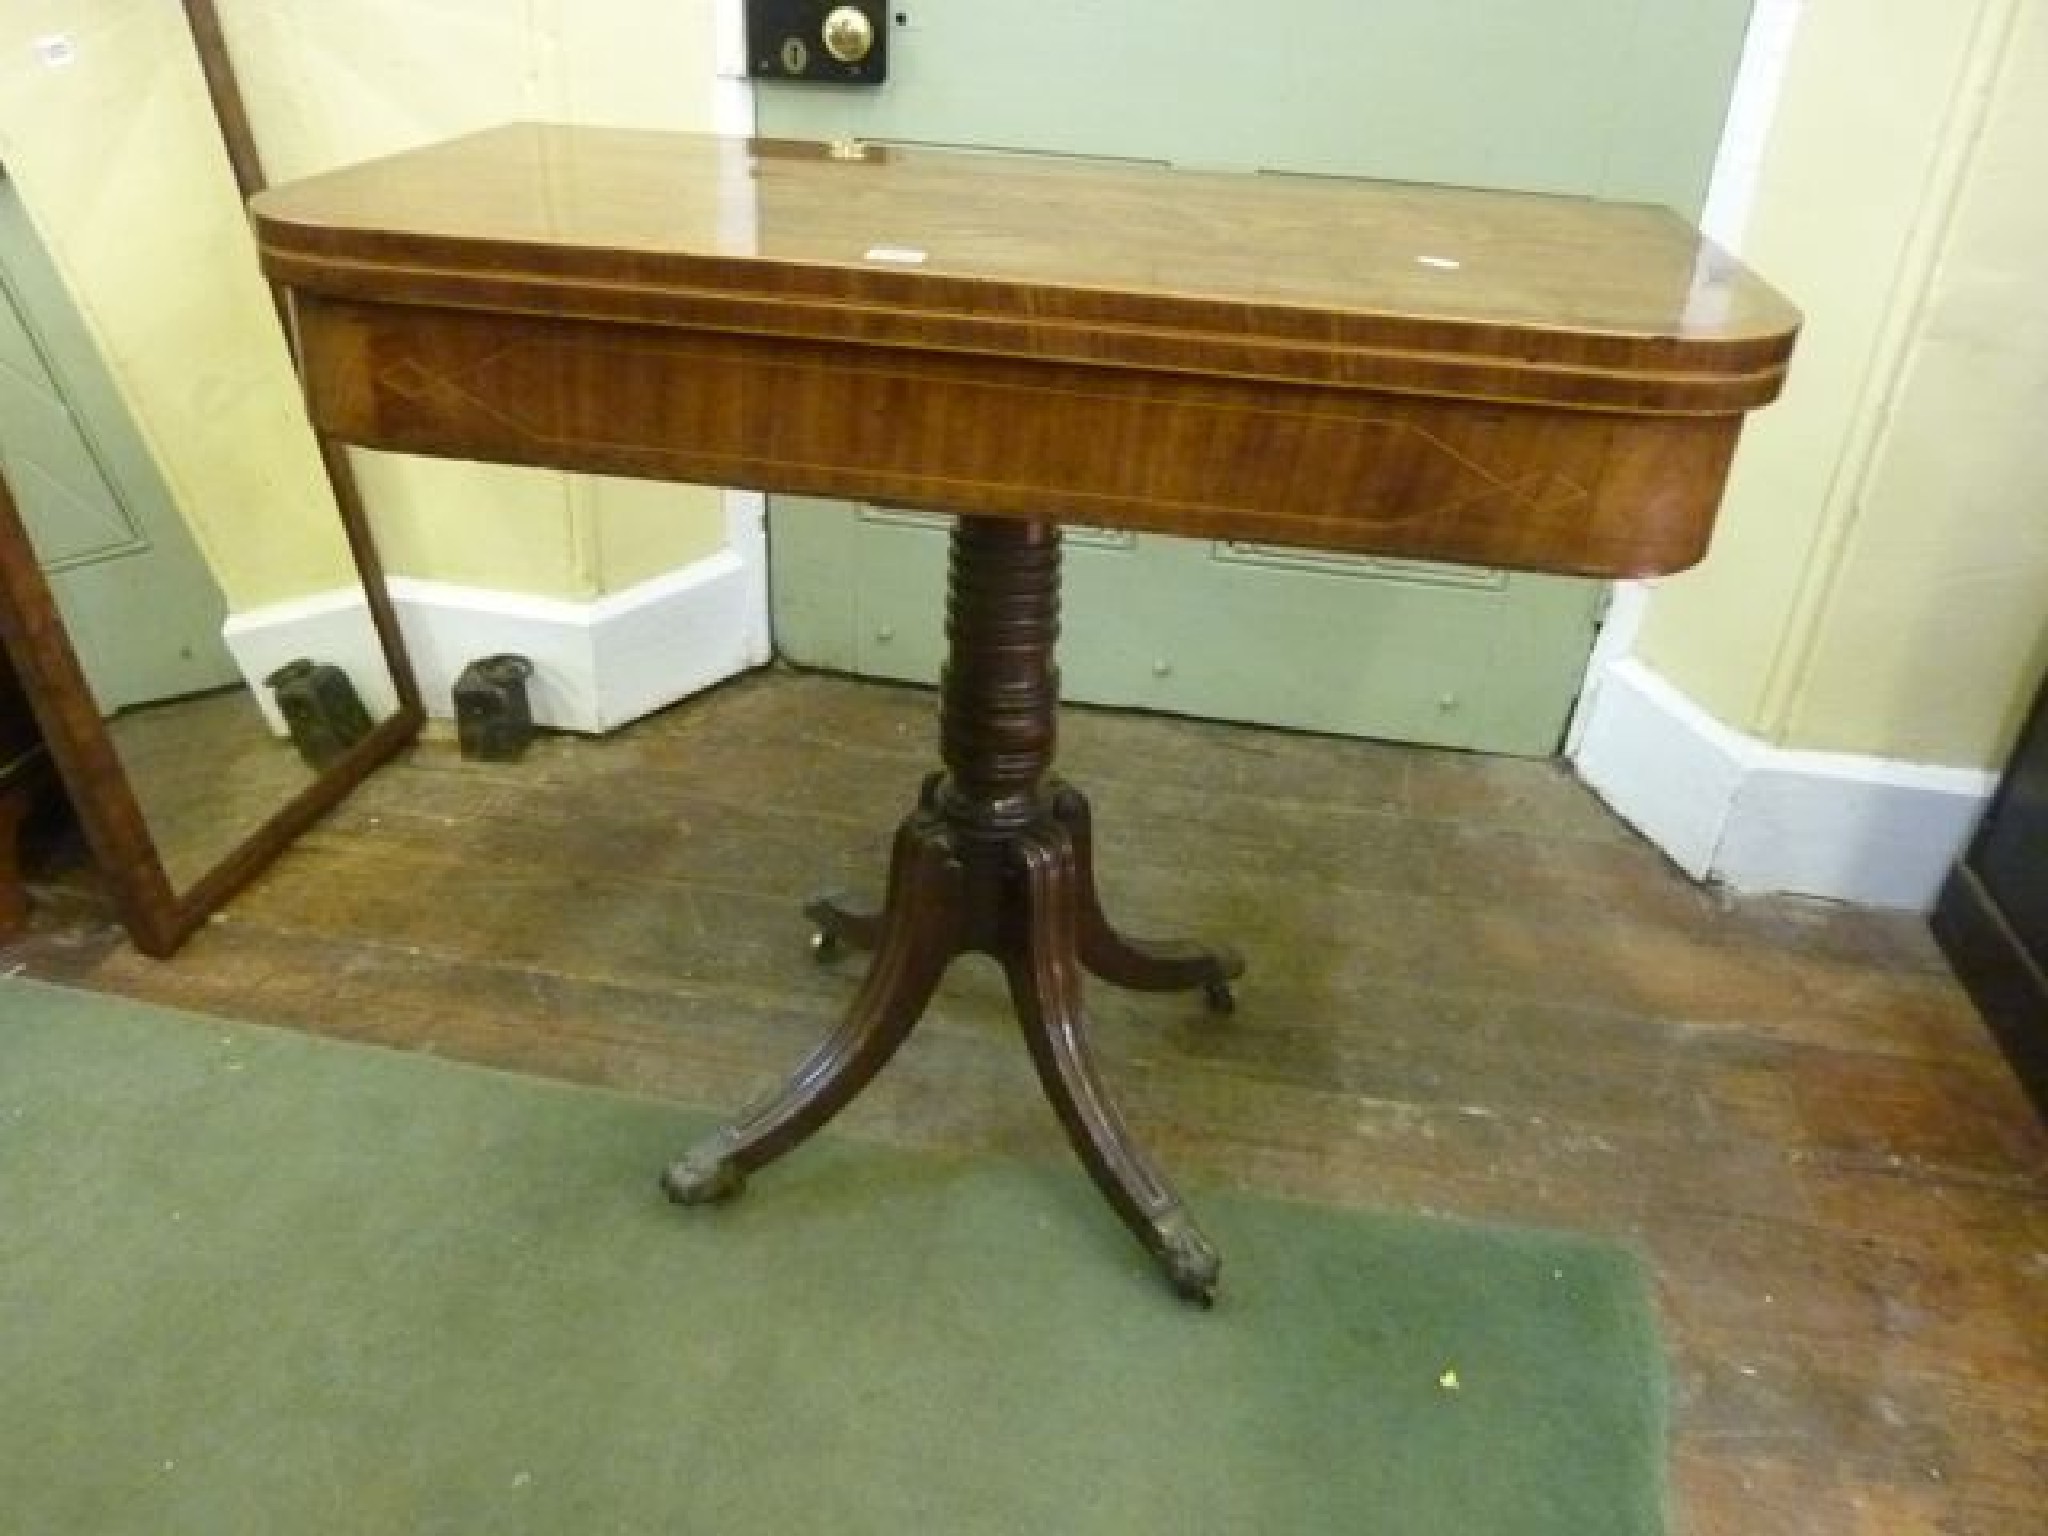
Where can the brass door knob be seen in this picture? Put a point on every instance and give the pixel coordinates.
(849, 35)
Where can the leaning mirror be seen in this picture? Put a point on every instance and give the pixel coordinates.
(199, 626)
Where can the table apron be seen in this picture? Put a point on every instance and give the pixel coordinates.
(1551, 488)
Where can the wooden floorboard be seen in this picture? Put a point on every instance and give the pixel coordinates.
(1472, 992)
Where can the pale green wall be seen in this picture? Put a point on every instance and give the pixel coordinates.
(117, 160)
(1879, 579)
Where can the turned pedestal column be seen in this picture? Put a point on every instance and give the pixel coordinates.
(996, 857)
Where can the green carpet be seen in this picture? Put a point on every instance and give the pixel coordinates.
(252, 1282)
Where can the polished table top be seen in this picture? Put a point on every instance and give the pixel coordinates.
(1041, 241)
(1544, 382)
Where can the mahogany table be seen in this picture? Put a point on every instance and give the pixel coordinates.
(1541, 383)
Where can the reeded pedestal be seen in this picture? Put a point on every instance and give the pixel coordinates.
(996, 857)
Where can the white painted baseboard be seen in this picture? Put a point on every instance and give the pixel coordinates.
(597, 665)
(333, 627)
(1725, 806)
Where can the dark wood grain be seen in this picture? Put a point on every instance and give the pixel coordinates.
(1096, 256)
(158, 916)
(25, 782)
(996, 858)
(33, 637)
(224, 92)
(15, 805)
(1489, 378)
(1272, 358)
(1992, 916)
(1590, 492)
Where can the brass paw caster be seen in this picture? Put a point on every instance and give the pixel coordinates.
(703, 1177)
(1191, 1262)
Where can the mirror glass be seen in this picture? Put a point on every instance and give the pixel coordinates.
(153, 437)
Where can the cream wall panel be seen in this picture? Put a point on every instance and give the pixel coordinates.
(1936, 629)
(117, 158)
(1867, 96)
(638, 535)
(473, 525)
(333, 81)
(617, 533)
(635, 63)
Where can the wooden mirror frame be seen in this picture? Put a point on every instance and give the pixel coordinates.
(158, 916)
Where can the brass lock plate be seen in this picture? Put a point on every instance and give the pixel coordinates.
(843, 42)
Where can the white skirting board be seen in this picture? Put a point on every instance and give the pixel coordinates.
(597, 665)
(1727, 807)
(332, 627)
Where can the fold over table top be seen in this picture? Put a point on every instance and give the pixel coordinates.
(1391, 287)
(1540, 383)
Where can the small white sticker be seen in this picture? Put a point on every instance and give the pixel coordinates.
(56, 50)
(1441, 263)
(901, 255)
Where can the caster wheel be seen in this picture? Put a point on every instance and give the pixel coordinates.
(1219, 997)
(1192, 1265)
(704, 1177)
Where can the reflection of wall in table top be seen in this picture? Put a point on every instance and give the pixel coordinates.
(1879, 581)
(106, 133)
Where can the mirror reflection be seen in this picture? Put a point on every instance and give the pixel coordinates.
(152, 433)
